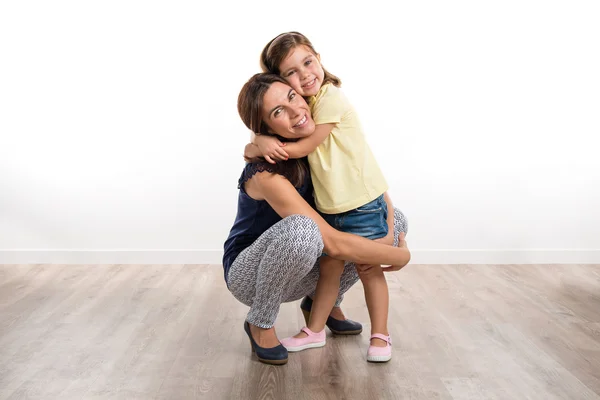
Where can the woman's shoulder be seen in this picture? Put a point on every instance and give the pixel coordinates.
(295, 171)
(253, 168)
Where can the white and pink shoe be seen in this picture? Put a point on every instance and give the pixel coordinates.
(380, 354)
(313, 340)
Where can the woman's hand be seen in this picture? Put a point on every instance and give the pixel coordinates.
(389, 238)
(271, 148)
(366, 269)
(402, 244)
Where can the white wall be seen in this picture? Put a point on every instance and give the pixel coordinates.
(120, 139)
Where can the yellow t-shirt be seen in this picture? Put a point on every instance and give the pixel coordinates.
(344, 172)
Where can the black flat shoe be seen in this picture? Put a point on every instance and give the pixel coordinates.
(339, 327)
(277, 355)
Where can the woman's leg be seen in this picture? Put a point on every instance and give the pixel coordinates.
(400, 224)
(264, 273)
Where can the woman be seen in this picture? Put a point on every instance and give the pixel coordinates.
(272, 251)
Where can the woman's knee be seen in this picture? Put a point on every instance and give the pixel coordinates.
(300, 234)
(400, 221)
(400, 225)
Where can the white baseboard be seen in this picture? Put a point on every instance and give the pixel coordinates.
(134, 256)
(128, 256)
(506, 256)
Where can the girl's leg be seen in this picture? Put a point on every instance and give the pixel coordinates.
(328, 287)
(377, 294)
(376, 289)
(263, 274)
(348, 279)
(349, 276)
(307, 287)
(378, 301)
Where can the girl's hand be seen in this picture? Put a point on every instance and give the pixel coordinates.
(271, 148)
(401, 243)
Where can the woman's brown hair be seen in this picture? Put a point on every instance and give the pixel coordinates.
(250, 108)
(278, 49)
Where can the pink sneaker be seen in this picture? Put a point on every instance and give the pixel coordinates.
(380, 354)
(314, 339)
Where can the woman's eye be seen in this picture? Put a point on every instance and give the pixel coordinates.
(277, 112)
(292, 96)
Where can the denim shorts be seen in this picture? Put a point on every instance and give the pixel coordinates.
(368, 221)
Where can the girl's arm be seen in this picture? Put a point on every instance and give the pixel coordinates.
(251, 152)
(273, 150)
(307, 145)
(285, 200)
(267, 146)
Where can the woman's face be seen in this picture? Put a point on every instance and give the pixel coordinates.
(286, 112)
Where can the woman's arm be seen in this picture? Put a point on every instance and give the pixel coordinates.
(365, 269)
(285, 200)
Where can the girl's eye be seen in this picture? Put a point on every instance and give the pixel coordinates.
(291, 73)
(308, 62)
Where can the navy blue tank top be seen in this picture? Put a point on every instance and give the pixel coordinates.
(254, 217)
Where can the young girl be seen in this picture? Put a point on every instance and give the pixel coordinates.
(349, 187)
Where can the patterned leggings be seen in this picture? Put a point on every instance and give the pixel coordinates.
(282, 265)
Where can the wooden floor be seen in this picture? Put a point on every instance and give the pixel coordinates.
(175, 332)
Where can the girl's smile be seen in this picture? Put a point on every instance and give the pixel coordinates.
(303, 71)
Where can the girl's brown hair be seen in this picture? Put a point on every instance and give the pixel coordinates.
(250, 108)
(278, 49)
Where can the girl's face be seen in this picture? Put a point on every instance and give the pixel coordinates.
(286, 112)
(303, 71)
